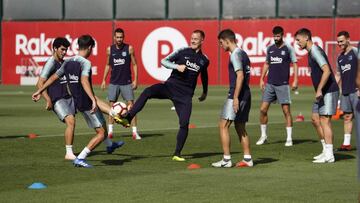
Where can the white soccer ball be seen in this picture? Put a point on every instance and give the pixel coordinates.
(119, 108)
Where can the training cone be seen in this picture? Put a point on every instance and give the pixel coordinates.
(338, 114)
(300, 118)
(37, 186)
(193, 166)
(32, 135)
(192, 125)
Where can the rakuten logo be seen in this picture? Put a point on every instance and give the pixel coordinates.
(192, 66)
(43, 46)
(255, 46)
(275, 60)
(157, 45)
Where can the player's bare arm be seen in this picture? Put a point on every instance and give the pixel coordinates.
(45, 95)
(324, 78)
(263, 74)
(295, 82)
(37, 95)
(134, 66)
(89, 91)
(238, 86)
(107, 68)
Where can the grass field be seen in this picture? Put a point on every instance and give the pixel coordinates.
(142, 171)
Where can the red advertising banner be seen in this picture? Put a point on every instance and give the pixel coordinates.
(255, 35)
(27, 45)
(154, 40)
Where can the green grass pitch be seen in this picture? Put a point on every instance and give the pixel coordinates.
(142, 171)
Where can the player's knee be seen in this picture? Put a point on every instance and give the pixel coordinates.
(263, 112)
(100, 132)
(315, 121)
(347, 118)
(70, 121)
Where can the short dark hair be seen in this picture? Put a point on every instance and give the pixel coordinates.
(304, 31)
(278, 30)
(119, 30)
(202, 33)
(227, 34)
(84, 41)
(60, 41)
(344, 33)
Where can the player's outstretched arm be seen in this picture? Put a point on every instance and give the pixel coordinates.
(37, 95)
(45, 95)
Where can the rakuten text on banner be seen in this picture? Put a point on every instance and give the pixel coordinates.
(27, 45)
(255, 35)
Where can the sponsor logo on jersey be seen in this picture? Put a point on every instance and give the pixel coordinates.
(275, 60)
(345, 68)
(192, 66)
(118, 62)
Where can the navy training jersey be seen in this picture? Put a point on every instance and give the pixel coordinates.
(347, 65)
(120, 60)
(239, 61)
(58, 89)
(73, 69)
(196, 63)
(317, 58)
(279, 59)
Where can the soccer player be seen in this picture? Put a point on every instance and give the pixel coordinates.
(186, 64)
(346, 75)
(357, 124)
(327, 93)
(57, 97)
(120, 56)
(278, 58)
(237, 106)
(78, 73)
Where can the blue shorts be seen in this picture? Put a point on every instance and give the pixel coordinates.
(280, 93)
(327, 105)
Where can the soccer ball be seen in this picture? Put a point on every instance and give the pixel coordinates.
(119, 108)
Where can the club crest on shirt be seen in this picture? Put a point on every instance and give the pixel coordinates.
(283, 53)
(202, 62)
(123, 53)
(350, 58)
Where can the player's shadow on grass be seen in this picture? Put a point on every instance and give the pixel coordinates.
(144, 135)
(205, 154)
(341, 157)
(264, 160)
(13, 136)
(296, 141)
(119, 162)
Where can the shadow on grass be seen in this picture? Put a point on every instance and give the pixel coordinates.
(13, 136)
(264, 160)
(341, 157)
(120, 162)
(296, 141)
(143, 135)
(205, 154)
